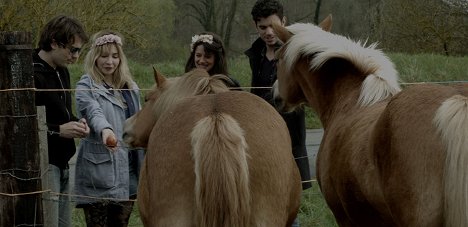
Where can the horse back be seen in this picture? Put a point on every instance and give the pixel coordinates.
(410, 154)
(378, 165)
(272, 170)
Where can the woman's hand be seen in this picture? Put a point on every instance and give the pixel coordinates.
(109, 139)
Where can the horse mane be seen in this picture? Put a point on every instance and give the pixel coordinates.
(194, 82)
(309, 40)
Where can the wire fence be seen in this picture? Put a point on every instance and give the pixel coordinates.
(246, 88)
(51, 196)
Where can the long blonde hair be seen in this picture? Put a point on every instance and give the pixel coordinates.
(122, 75)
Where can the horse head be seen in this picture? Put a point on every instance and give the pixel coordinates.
(138, 127)
(290, 95)
(322, 69)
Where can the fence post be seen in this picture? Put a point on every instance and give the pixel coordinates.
(47, 201)
(20, 175)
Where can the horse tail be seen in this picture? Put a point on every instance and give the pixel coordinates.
(222, 193)
(452, 123)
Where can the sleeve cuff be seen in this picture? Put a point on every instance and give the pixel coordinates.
(54, 129)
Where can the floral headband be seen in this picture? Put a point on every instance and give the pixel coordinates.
(201, 38)
(110, 38)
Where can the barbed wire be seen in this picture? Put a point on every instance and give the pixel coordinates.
(149, 89)
(10, 172)
(105, 199)
(95, 142)
(18, 116)
(24, 193)
(43, 172)
(232, 88)
(95, 89)
(436, 82)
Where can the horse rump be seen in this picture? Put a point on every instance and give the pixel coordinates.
(219, 151)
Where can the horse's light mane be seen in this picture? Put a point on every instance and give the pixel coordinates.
(195, 82)
(308, 40)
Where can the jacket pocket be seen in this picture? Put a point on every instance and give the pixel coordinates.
(100, 169)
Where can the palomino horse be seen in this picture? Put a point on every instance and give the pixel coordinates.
(387, 157)
(214, 157)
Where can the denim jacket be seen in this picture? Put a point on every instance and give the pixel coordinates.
(99, 171)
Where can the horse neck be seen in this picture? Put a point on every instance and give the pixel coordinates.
(332, 93)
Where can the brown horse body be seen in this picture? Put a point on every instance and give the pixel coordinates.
(214, 157)
(388, 157)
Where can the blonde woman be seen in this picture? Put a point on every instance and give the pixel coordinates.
(106, 171)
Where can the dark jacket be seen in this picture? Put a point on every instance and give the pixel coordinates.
(58, 109)
(294, 120)
(256, 55)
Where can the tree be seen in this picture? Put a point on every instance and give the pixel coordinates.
(24, 15)
(422, 26)
(303, 10)
(143, 23)
(214, 16)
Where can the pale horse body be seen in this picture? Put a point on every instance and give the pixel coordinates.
(388, 157)
(214, 157)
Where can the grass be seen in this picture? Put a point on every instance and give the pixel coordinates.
(430, 67)
(313, 211)
(78, 219)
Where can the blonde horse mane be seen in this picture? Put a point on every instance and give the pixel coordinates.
(195, 82)
(309, 40)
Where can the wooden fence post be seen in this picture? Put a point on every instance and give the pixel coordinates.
(47, 201)
(20, 175)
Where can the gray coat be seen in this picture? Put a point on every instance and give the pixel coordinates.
(100, 172)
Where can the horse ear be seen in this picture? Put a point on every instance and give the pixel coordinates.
(326, 24)
(158, 78)
(282, 33)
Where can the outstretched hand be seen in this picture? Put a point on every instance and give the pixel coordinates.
(109, 139)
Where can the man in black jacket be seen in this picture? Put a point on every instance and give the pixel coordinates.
(261, 57)
(59, 45)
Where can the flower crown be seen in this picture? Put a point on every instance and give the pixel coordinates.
(110, 38)
(201, 38)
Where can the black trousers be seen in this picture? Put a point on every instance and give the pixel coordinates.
(108, 214)
(297, 130)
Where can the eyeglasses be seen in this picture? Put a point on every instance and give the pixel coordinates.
(73, 50)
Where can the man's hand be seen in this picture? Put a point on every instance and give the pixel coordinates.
(74, 129)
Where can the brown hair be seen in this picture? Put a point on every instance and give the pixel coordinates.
(216, 48)
(62, 30)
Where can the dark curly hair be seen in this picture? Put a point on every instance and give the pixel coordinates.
(266, 8)
(62, 30)
(216, 48)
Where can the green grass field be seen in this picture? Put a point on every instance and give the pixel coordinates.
(313, 211)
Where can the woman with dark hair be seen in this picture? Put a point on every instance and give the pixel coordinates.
(207, 52)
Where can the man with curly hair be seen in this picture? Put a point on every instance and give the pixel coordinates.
(263, 65)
